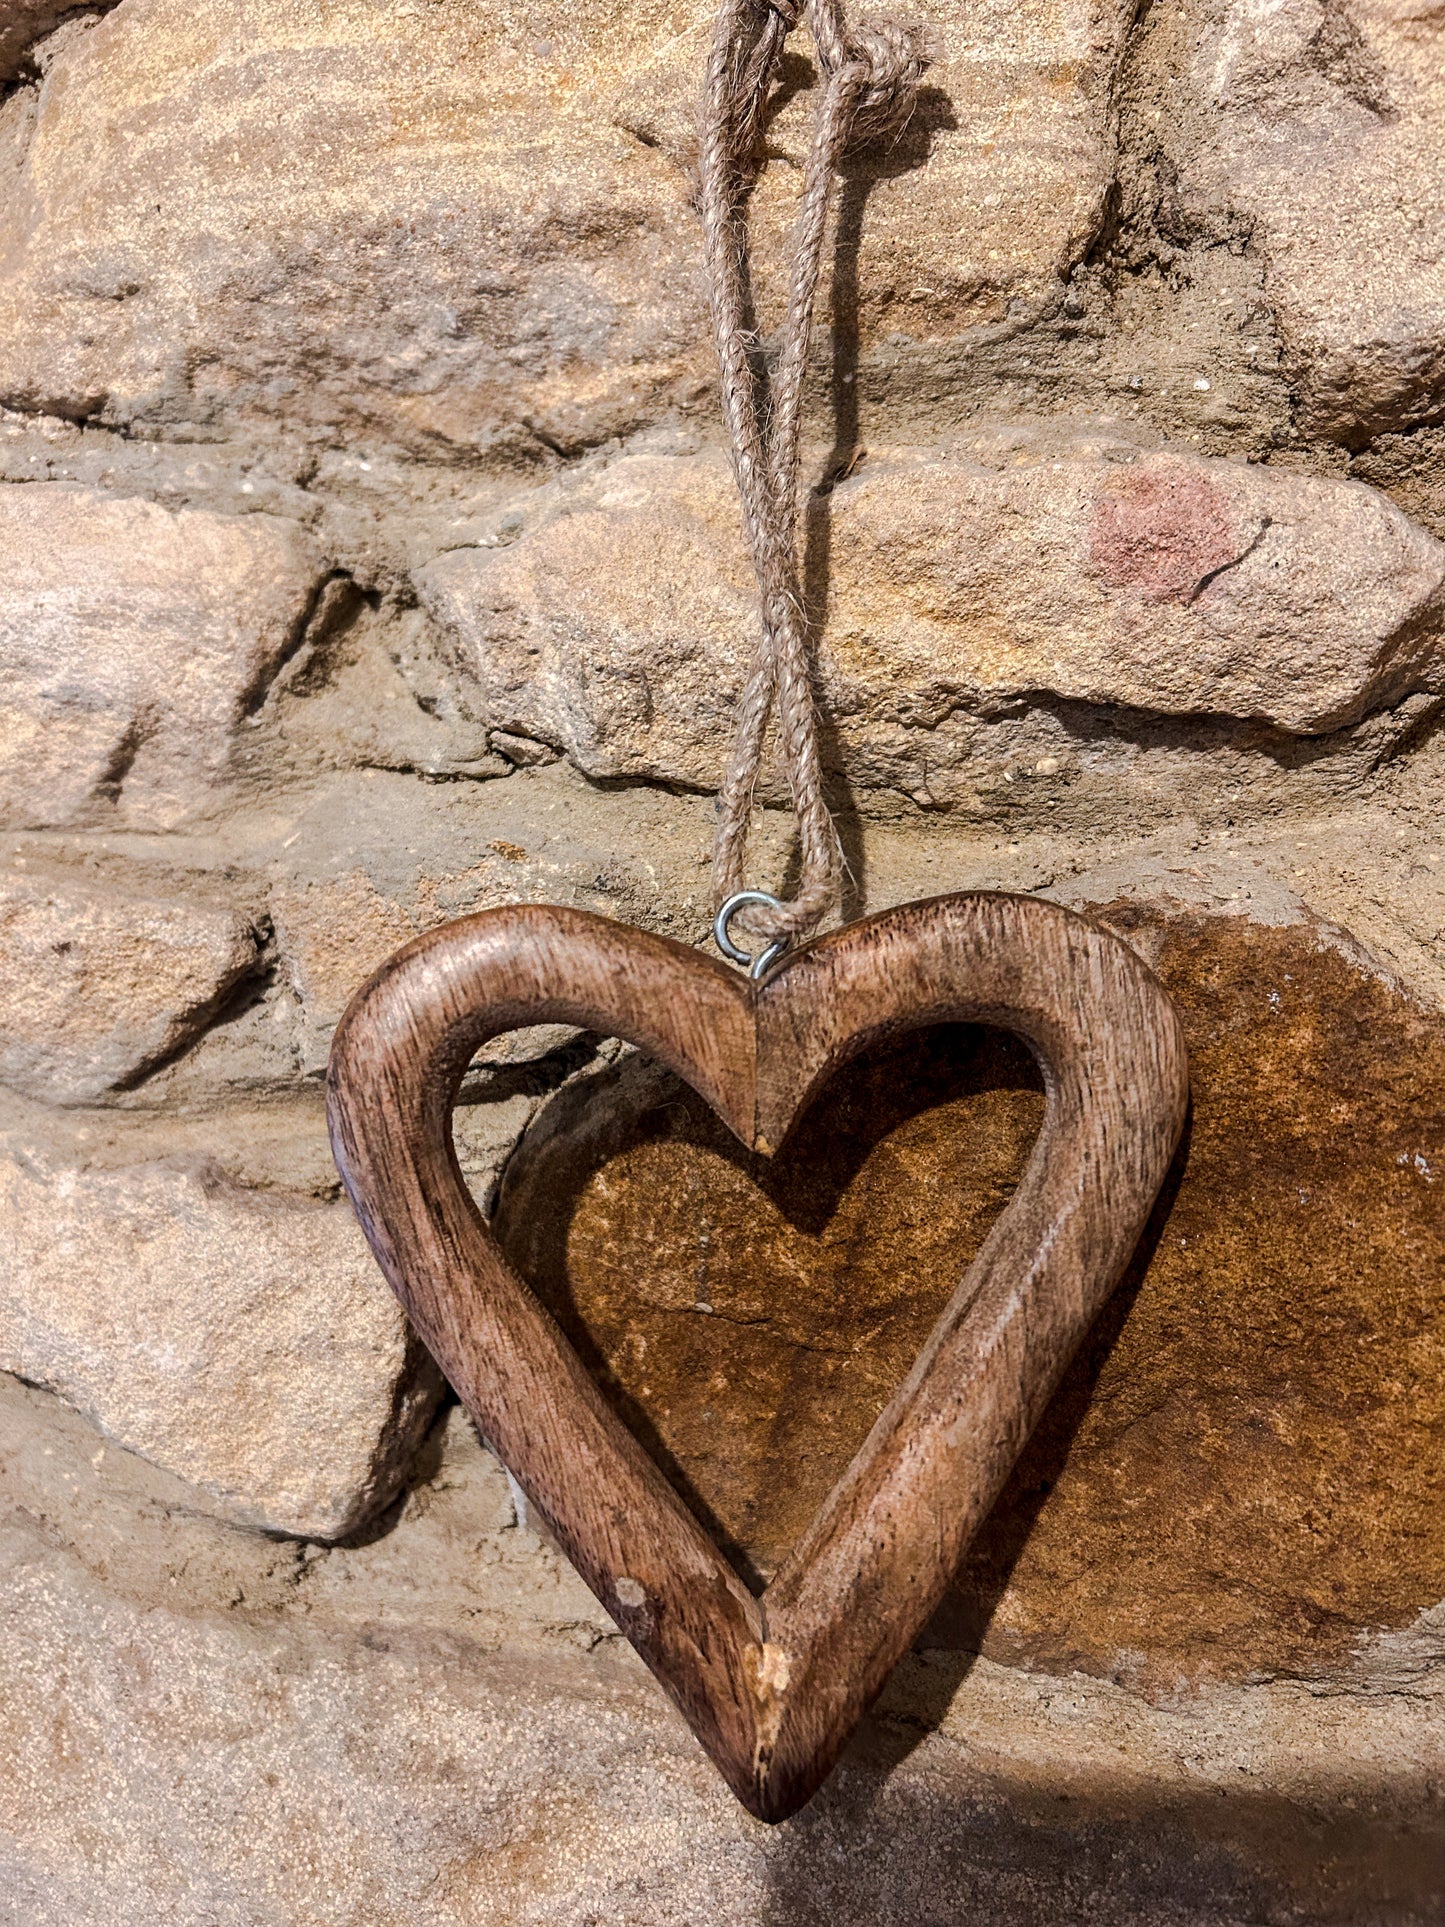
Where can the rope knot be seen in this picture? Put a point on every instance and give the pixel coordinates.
(893, 59)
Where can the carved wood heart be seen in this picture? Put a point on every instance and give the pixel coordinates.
(771, 1686)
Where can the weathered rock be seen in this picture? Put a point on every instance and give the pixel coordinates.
(1166, 583)
(1241, 1474)
(333, 934)
(372, 690)
(133, 638)
(976, 214)
(241, 1338)
(478, 253)
(24, 22)
(616, 622)
(99, 985)
(1315, 132)
(471, 257)
(372, 860)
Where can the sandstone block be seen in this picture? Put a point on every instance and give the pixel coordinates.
(978, 211)
(1011, 567)
(1164, 582)
(332, 933)
(99, 985)
(242, 1339)
(1318, 132)
(471, 256)
(490, 246)
(132, 640)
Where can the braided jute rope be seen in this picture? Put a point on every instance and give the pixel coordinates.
(870, 78)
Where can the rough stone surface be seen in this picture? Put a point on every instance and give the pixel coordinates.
(98, 987)
(1013, 124)
(612, 616)
(181, 1705)
(1310, 132)
(1241, 1474)
(241, 1338)
(471, 257)
(333, 934)
(488, 250)
(133, 639)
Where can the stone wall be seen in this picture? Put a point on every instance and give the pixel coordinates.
(369, 555)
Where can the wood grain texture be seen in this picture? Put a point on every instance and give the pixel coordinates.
(772, 1686)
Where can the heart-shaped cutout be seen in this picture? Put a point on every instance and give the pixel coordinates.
(772, 1686)
(744, 1314)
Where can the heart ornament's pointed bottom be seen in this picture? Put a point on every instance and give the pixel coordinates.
(772, 1687)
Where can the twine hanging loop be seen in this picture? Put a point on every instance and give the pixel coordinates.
(870, 77)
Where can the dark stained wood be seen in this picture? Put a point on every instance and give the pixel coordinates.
(774, 1686)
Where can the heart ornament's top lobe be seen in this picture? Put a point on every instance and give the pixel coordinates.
(773, 1686)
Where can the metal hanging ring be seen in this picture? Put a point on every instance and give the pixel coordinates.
(756, 966)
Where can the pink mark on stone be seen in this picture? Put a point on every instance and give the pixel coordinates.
(1163, 530)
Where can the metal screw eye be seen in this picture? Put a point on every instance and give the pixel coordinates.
(756, 966)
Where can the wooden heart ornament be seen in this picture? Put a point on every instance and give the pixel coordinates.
(771, 1686)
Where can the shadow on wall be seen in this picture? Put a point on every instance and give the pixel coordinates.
(956, 1634)
(871, 1851)
(1266, 1401)
(1239, 1477)
(933, 114)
